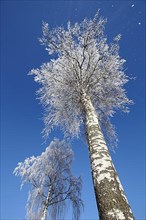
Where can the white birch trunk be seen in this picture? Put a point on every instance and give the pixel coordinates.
(44, 215)
(46, 204)
(111, 200)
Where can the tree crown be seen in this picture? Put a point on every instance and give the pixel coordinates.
(85, 63)
(50, 174)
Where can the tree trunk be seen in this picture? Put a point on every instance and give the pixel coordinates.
(46, 204)
(44, 214)
(111, 200)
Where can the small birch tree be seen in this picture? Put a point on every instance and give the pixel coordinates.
(52, 182)
(83, 85)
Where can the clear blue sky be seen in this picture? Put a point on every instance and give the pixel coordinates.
(21, 114)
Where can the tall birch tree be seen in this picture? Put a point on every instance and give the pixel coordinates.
(82, 87)
(52, 183)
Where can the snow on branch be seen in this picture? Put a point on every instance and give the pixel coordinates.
(85, 63)
(52, 182)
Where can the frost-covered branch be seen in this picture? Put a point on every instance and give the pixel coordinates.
(82, 89)
(85, 63)
(52, 182)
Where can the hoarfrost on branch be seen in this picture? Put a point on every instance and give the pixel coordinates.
(52, 182)
(85, 63)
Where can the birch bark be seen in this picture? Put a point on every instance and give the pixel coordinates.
(111, 200)
(46, 204)
(44, 215)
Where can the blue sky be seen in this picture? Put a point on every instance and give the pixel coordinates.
(21, 114)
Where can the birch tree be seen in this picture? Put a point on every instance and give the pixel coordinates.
(52, 182)
(82, 86)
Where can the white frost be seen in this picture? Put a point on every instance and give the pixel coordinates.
(52, 169)
(82, 64)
